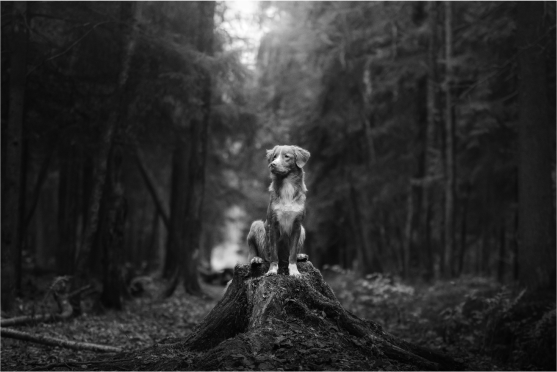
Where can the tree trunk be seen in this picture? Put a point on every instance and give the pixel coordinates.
(463, 228)
(114, 288)
(186, 237)
(450, 147)
(502, 253)
(408, 232)
(67, 209)
(536, 209)
(11, 165)
(43, 172)
(267, 322)
(82, 262)
(148, 178)
(178, 208)
(432, 124)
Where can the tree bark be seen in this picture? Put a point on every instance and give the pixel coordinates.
(11, 165)
(536, 208)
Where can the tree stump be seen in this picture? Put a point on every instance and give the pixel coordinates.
(282, 322)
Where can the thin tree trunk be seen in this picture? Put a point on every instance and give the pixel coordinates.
(432, 124)
(502, 253)
(21, 206)
(408, 232)
(536, 208)
(148, 178)
(418, 184)
(67, 209)
(178, 207)
(199, 130)
(43, 172)
(11, 165)
(113, 236)
(450, 147)
(463, 230)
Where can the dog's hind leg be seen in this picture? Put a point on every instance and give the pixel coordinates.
(301, 257)
(256, 243)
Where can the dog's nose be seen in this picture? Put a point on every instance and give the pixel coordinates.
(273, 165)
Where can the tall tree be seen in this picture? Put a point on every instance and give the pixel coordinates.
(450, 162)
(536, 208)
(129, 10)
(189, 167)
(432, 124)
(11, 155)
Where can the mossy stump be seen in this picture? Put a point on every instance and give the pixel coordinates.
(282, 323)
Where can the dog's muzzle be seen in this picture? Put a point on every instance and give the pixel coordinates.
(275, 169)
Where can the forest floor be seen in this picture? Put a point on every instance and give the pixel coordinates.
(459, 318)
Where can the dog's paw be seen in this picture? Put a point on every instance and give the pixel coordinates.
(271, 273)
(295, 274)
(301, 257)
(256, 261)
(293, 271)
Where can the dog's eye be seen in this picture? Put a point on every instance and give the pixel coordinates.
(286, 156)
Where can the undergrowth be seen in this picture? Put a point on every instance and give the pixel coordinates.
(477, 320)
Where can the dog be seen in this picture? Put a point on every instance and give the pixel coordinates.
(281, 237)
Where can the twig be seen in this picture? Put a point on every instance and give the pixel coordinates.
(68, 48)
(45, 340)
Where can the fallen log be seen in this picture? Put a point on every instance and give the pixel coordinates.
(45, 340)
(273, 322)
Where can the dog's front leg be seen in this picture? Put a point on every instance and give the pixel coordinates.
(273, 249)
(293, 254)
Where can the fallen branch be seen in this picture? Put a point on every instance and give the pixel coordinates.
(26, 319)
(75, 345)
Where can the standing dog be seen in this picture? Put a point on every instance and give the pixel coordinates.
(282, 235)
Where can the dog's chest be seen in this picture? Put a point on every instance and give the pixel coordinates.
(287, 207)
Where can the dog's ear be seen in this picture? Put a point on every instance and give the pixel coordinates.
(270, 154)
(302, 156)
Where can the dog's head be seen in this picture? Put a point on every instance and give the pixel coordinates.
(286, 159)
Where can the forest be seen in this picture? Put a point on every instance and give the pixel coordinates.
(134, 138)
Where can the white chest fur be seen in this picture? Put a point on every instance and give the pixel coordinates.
(287, 208)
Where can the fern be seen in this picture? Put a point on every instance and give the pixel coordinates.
(545, 325)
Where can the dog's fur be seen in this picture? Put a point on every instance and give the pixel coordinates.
(281, 237)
